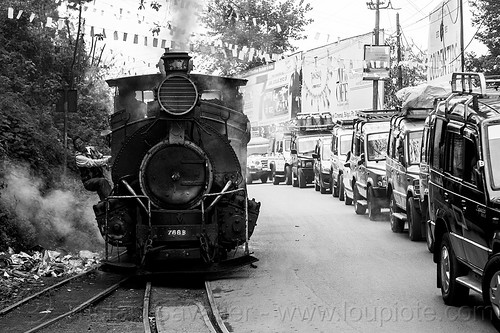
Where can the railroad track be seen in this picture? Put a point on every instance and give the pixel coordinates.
(165, 303)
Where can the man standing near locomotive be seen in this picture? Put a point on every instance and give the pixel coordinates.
(91, 162)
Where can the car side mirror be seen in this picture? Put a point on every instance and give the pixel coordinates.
(316, 156)
(293, 151)
(347, 164)
(401, 159)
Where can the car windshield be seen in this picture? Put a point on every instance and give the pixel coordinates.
(345, 144)
(414, 144)
(257, 149)
(493, 154)
(306, 145)
(376, 146)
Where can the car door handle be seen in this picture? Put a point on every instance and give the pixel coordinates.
(464, 205)
(446, 197)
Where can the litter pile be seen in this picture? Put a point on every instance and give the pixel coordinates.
(21, 272)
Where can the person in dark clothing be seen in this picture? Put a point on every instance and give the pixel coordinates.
(91, 162)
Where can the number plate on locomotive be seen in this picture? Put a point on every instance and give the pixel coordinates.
(177, 232)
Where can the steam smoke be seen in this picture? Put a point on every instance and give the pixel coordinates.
(185, 20)
(60, 218)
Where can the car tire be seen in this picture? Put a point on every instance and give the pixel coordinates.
(414, 221)
(322, 189)
(316, 186)
(490, 286)
(358, 209)
(340, 186)
(373, 210)
(288, 175)
(428, 238)
(397, 225)
(449, 269)
(263, 179)
(276, 180)
(335, 189)
(301, 179)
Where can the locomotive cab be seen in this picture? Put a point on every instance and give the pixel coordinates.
(178, 164)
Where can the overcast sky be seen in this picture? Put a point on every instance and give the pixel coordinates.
(343, 19)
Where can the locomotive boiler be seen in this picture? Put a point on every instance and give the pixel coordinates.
(178, 145)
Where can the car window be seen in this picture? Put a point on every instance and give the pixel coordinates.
(345, 143)
(493, 154)
(376, 146)
(414, 146)
(455, 155)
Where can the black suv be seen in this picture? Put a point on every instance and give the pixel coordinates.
(464, 192)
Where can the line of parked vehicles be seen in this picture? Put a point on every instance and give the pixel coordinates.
(434, 163)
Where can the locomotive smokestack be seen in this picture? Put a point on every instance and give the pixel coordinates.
(176, 62)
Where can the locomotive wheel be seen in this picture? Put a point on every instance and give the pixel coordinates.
(414, 221)
(288, 175)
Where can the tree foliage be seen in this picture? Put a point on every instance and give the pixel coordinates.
(413, 71)
(233, 22)
(486, 16)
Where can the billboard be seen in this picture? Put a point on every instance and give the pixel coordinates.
(333, 78)
(444, 42)
(377, 62)
(272, 93)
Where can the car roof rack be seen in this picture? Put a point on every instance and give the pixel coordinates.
(414, 113)
(345, 122)
(375, 115)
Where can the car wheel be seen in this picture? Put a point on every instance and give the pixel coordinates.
(302, 179)
(358, 209)
(288, 175)
(340, 186)
(322, 189)
(396, 224)
(414, 221)
(428, 238)
(263, 179)
(491, 290)
(276, 180)
(335, 189)
(373, 209)
(448, 270)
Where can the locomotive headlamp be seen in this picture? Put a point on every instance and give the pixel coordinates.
(177, 94)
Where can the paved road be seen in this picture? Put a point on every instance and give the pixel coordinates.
(322, 268)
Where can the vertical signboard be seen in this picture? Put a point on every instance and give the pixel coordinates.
(333, 78)
(272, 93)
(444, 42)
(377, 61)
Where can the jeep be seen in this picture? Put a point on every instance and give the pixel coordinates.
(464, 193)
(402, 171)
(322, 166)
(366, 187)
(340, 146)
(280, 162)
(257, 160)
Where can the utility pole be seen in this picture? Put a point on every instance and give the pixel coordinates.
(400, 70)
(462, 56)
(377, 6)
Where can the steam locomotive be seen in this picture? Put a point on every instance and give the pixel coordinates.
(178, 144)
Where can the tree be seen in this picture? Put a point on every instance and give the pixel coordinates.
(265, 25)
(413, 68)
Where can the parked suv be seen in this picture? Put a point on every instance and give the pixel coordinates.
(303, 145)
(403, 169)
(340, 146)
(322, 166)
(464, 193)
(280, 161)
(257, 160)
(367, 184)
